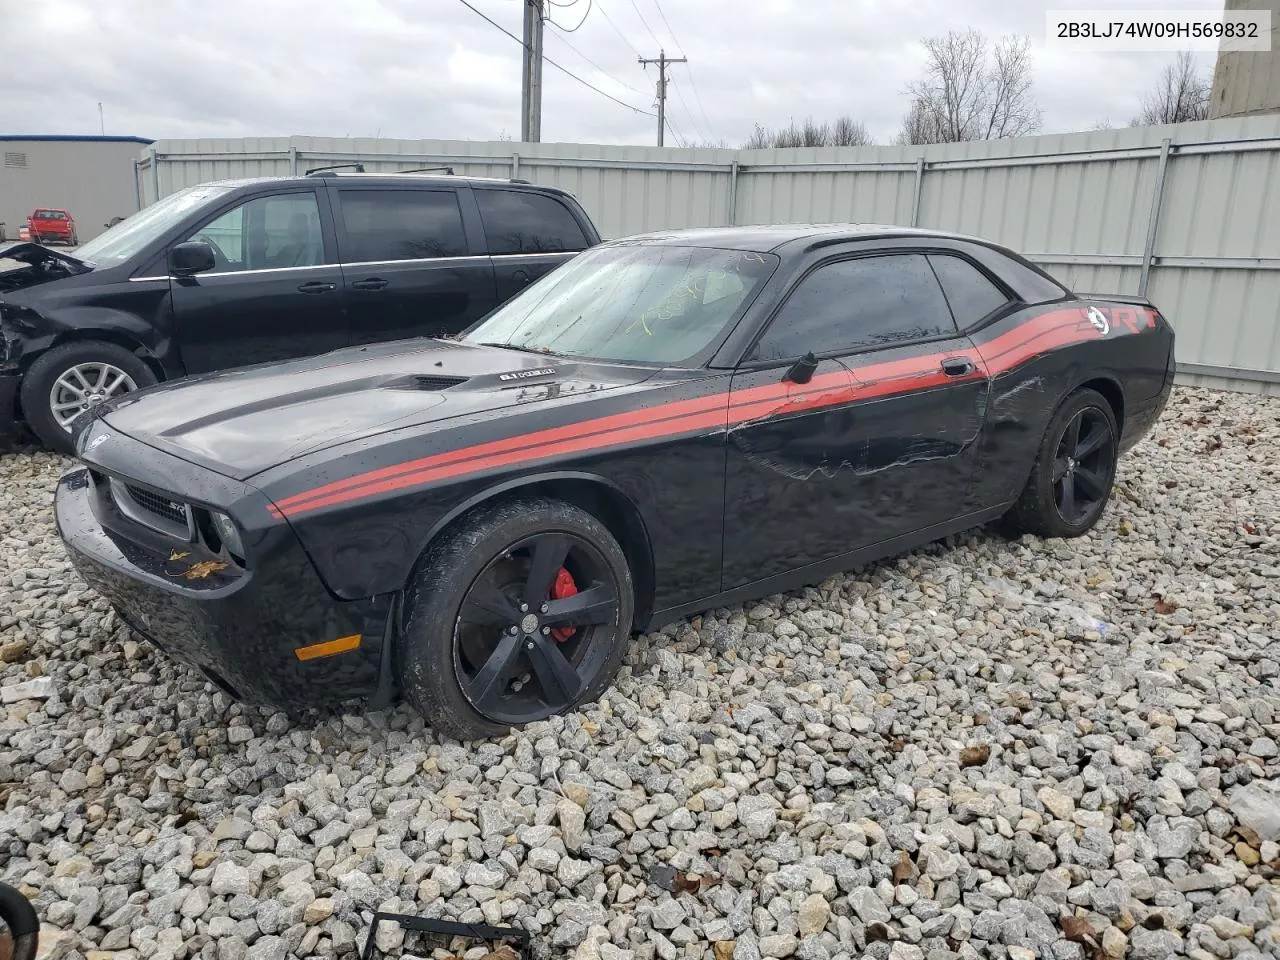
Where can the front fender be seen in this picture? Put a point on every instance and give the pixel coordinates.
(34, 332)
(373, 549)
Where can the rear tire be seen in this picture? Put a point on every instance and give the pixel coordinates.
(1075, 469)
(472, 661)
(93, 358)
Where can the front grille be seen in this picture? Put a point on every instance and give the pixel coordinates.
(155, 503)
(153, 510)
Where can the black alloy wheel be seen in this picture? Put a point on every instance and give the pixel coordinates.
(1070, 482)
(522, 655)
(1083, 466)
(520, 612)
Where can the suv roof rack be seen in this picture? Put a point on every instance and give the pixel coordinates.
(328, 171)
(448, 170)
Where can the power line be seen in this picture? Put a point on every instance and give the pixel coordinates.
(693, 83)
(565, 41)
(698, 97)
(679, 49)
(609, 20)
(646, 23)
(693, 121)
(565, 71)
(680, 141)
(580, 22)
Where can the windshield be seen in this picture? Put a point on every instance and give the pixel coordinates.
(129, 236)
(643, 303)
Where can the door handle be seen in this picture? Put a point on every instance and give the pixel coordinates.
(317, 286)
(374, 283)
(520, 276)
(957, 366)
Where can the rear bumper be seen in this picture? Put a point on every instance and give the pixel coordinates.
(1139, 420)
(239, 628)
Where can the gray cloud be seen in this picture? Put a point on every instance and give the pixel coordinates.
(432, 68)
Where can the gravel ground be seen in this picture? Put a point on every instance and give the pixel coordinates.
(994, 749)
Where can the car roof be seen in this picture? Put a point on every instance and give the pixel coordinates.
(772, 237)
(380, 180)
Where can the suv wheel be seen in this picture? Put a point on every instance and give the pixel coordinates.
(72, 379)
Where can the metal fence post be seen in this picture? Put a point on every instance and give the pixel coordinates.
(293, 160)
(515, 166)
(1153, 221)
(915, 199)
(155, 174)
(733, 193)
(137, 185)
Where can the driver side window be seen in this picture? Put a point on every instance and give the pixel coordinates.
(266, 233)
(859, 304)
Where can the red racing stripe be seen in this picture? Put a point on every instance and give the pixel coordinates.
(1037, 335)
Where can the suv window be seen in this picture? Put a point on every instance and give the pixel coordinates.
(516, 221)
(266, 233)
(971, 295)
(850, 305)
(401, 225)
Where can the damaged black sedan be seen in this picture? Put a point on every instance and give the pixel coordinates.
(665, 424)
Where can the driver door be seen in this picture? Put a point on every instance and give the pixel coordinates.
(275, 291)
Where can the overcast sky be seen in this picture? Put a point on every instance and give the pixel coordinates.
(434, 69)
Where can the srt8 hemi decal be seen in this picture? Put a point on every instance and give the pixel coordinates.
(724, 409)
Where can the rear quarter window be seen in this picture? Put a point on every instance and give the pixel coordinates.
(518, 221)
(970, 293)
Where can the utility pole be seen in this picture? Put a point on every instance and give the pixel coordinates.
(531, 81)
(662, 61)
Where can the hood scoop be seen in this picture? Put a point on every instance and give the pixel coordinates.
(426, 381)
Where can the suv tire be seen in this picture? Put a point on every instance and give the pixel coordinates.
(99, 364)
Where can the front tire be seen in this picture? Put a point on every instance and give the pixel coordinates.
(522, 613)
(1074, 472)
(73, 378)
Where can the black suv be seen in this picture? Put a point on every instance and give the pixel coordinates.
(246, 271)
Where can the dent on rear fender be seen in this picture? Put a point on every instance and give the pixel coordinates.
(1003, 403)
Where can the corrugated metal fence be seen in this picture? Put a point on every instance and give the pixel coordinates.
(1187, 214)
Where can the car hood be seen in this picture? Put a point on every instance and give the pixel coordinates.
(244, 421)
(25, 264)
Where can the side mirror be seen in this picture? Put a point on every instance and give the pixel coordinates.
(802, 370)
(190, 258)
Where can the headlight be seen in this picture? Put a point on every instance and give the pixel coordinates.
(228, 533)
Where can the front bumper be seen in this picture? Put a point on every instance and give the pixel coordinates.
(240, 628)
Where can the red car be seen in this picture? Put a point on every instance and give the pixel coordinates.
(47, 224)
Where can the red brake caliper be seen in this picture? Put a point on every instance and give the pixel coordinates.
(563, 587)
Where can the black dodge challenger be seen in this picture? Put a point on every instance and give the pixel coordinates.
(665, 424)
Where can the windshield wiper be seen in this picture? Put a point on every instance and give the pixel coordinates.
(511, 346)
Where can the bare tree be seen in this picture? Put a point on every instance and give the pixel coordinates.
(1181, 94)
(844, 132)
(972, 90)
